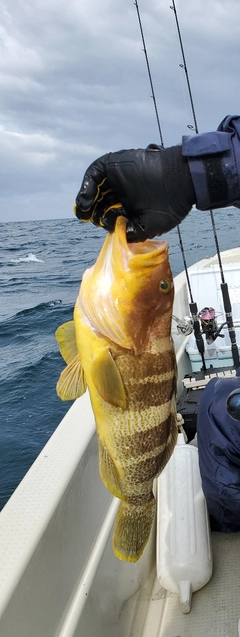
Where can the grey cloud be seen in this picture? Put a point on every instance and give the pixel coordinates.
(74, 84)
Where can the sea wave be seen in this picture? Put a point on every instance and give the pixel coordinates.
(27, 323)
(30, 257)
(30, 411)
(40, 307)
(27, 373)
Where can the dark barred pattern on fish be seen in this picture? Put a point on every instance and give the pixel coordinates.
(121, 348)
(142, 441)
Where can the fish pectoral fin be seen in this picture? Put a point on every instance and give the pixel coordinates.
(72, 382)
(107, 379)
(66, 338)
(132, 529)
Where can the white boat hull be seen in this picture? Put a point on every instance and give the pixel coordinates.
(59, 577)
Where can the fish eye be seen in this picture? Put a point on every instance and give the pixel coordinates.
(165, 286)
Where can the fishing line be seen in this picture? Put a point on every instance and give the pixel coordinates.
(149, 74)
(224, 285)
(192, 305)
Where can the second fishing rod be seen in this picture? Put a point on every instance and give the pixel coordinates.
(224, 286)
(192, 305)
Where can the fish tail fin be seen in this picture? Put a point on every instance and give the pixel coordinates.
(132, 529)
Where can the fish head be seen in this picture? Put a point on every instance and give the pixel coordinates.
(129, 290)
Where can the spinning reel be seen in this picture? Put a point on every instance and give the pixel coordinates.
(209, 326)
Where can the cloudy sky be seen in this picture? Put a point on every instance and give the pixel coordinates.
(74, 85)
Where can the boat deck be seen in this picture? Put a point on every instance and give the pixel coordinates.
(215, 608)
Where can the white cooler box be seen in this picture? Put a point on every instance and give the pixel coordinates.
(218, 354)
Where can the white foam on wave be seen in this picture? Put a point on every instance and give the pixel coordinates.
(30, 257)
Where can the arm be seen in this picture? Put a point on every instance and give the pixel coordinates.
(156, 188)
(214, 163)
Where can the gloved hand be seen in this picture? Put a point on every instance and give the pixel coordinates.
(152, 188)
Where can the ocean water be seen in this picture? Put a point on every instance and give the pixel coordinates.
(41, 265)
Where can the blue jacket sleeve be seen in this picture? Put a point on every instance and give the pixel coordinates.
(214, 163)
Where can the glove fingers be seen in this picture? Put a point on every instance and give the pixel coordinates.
(106, 210)
(142, 227)
(94, 182)
(145, 225)
(136, 232)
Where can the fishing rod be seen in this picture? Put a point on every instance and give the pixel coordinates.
(224, 285)
(149, 74)
(192, 305)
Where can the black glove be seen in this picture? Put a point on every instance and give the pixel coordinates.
(152, 188)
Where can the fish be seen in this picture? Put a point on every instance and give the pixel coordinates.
(119, 346)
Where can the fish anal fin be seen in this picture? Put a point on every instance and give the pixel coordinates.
(132, 529)
(108, 472)
(72, 383)
(66, 337)
(107, 379)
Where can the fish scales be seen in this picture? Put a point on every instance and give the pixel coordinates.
(120, 347)
(138, 430)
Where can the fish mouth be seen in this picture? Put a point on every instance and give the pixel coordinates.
(147, 253)
(150, 245)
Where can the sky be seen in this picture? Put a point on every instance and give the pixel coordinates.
(74, 85)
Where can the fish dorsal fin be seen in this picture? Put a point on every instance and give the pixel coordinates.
(66, 337)
(72, 383)
(107, 379)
